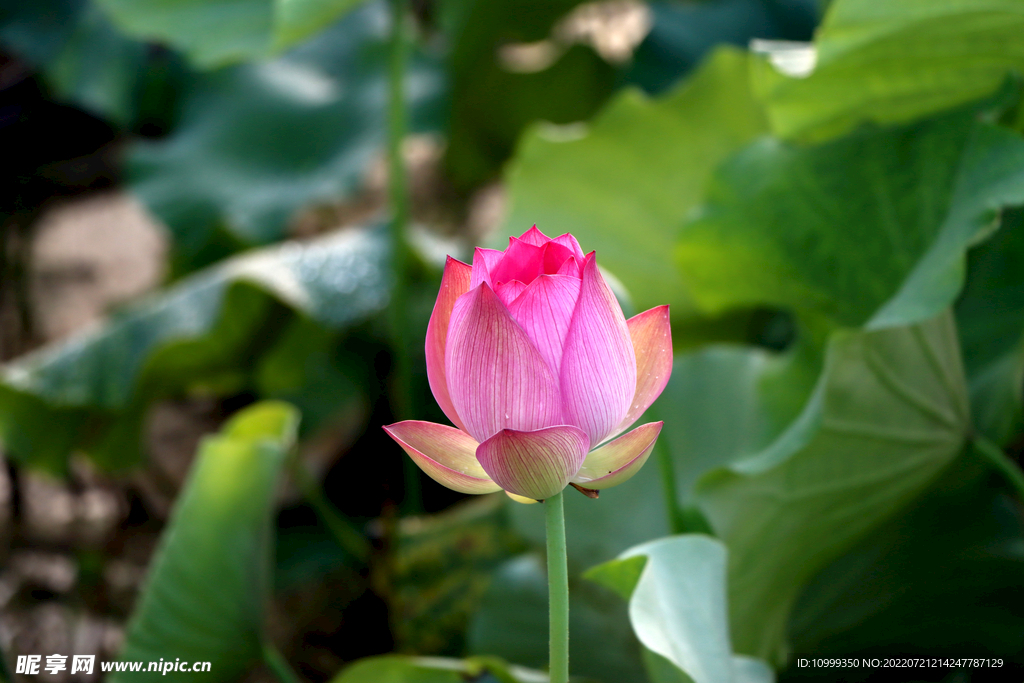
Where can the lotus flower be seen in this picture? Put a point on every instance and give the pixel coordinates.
(530, 357)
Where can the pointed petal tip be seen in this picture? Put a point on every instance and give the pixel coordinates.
(533, 236)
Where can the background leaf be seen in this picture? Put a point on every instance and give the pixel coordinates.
(209, 582)
(937, 578)
(255, 143)
(443, 565)
(896, 61)
(890, 412)
(87, 62)
(214, 34)
(208, 330)
(990, 315)
(834, 232)
(678, 607)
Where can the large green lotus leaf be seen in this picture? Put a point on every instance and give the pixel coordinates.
(889, 413)
(216, 33)
(990, 315)
(255, 143)
(725, 403)
(678, 607)
(896, 61)
(941, 577)
(404, 669)
(207, 331)
(869, 229)
(209, 582)
(512, 623)
(625, 182)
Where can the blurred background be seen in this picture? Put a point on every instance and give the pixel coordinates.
(241, 210)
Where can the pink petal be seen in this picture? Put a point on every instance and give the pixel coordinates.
(618, 460)
(496, 378)
(522, 262)
(570, 242)
(509, 291)
(535, 464)
(535, 237)
(544, 310)
(570, 267)
(454, 283)
(447, 455)
(598, 372)
(484, 261)
(652, 343)
(554, 256)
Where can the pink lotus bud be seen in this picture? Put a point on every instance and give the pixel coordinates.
(529, 355)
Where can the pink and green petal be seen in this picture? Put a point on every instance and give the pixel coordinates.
(496, 378)
(454, 283)
(651, 333)
(544, 310)
(447, 455)
(618, 460)
(534, 464)
(598, 371)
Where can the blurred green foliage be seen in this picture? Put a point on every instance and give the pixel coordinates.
(208, 584)
(836, 225)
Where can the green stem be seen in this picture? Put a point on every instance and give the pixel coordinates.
(558, 589)
(399, 202)
(276, 662)
(402, 397)
(1002, 462)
